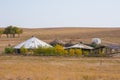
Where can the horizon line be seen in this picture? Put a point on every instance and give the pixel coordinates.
(70, 27)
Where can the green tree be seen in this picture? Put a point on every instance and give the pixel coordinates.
(7, 31)
(19, 31)
(12, 30)
(1, 32)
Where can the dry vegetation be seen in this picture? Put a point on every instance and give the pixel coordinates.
(65, 34)
(58, 68)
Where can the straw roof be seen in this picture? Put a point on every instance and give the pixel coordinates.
(57, 41)
(70, 43)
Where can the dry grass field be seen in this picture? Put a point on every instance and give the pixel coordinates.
(58, 68)
(65, 34)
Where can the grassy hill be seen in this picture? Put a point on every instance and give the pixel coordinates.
(60, 68)
(65, 34)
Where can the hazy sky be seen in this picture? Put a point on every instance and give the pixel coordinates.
(59, 13)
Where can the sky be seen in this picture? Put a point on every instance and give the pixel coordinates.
(60, 13)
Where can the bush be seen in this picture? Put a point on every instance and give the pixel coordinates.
(50, 51)
(65, 52)
(9, 50)
(39, 51)
(23, 51)
(44, 51)
(71, 52)
(59, 50)
(78, 52)
(86, 53)
(30, 52)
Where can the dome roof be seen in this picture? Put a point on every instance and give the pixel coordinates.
(96, 40)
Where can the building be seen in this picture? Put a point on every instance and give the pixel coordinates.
(31, 43)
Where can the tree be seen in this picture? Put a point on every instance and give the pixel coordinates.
(12, 30)
(1, 32)
(19, 31)
(6, 32)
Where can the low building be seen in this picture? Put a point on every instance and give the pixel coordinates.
(31, 43)
(57, 41)
(83, 47)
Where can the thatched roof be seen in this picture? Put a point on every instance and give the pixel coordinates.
(71, 43)
(57, 41)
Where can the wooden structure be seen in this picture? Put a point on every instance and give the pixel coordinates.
(112, 49)
(85, 48)
(57, 41)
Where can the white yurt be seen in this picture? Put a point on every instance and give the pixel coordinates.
(31, 43)
(80, 46)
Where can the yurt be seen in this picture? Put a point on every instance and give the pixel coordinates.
(31, 43)
(80, 46)
(84, 48)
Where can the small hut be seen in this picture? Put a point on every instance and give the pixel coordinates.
(31, 43)
(112, 48)
(81, 46)
(57, 41)
(70, 43)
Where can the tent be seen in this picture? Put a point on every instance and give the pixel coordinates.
(32, 43)
(80, 46)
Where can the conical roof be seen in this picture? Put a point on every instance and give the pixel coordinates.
(81, 46)
(32, 43)
(57, 41)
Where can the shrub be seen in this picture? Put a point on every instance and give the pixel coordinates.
(78, 52)
(47, 51)
(50, 51)
(44, 51)
(9, 50)
(23, 50)
(37, 51)
(71, 52)
(65, 52)
(86, 53)
(30, 52)
(59, 50)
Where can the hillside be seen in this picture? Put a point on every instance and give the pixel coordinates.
(65, 34)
